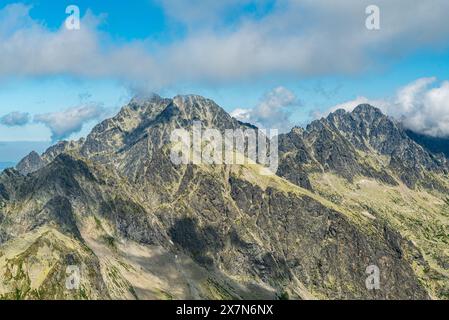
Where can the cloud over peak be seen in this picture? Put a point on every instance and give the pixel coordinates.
(64, 123)
(272, 112)
(422, 106)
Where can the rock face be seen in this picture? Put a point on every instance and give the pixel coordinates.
(138, 226)
(433, 144)
(341, 143)
(30, 163)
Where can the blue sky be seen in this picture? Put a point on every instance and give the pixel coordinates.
(273, 63)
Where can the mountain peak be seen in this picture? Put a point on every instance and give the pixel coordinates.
(32, 162)
(192, 102)
(198, 108)
(190, 98)
(146, 98)
(363, 117)
(339, 112)
(366, 109)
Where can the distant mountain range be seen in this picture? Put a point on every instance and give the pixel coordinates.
(352, 191)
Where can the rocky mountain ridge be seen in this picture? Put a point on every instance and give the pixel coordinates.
(115, 205)
(340, 142)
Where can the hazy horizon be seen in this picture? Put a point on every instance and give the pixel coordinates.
(14, 151)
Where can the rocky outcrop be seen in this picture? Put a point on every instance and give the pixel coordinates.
(343, 141)
(30, 163)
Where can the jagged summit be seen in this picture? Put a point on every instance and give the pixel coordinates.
(329, 143)
(32, 162)
(362, 113)
(154, 98)
(192, 98)
(363, 108)
(180, 101)
(195, 107)
(339, 142)
(366, 109)
(145, 98)
(140, 128)
(148, 110)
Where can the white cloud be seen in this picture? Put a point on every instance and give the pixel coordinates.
(352, 104)
(422, 106)
(272, 112)
(64, 123)
(15, 119)
(297, 38)
(30, 49)
(243, 115)
(408, 96)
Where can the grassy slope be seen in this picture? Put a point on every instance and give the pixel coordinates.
(419, 215)
(128, 272)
